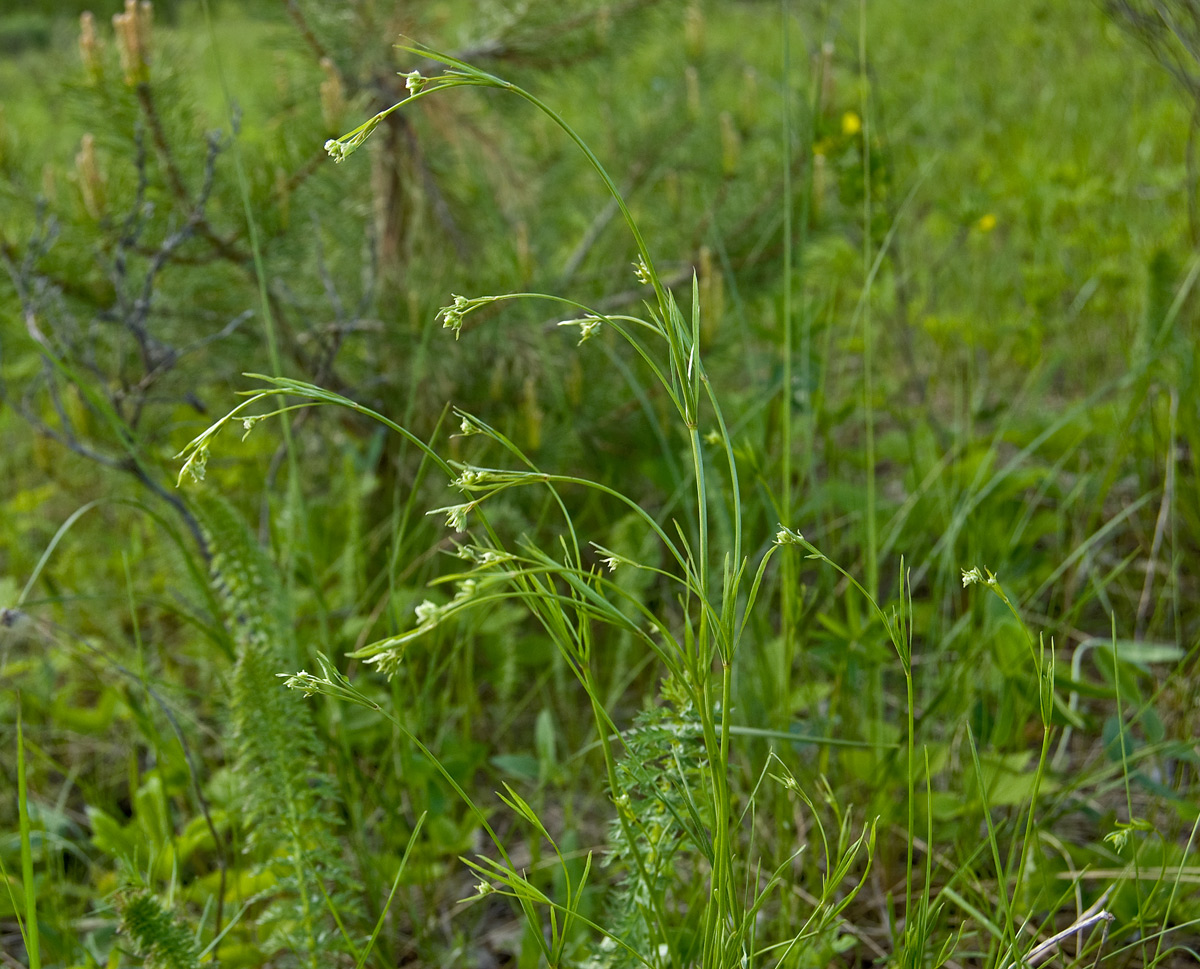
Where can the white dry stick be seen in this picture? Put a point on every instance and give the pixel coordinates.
(1093, 916)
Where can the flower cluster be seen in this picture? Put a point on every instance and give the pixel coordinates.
(610, 559)
(194, 466)
(785, 536)
(414, 82)
(975, 577)
(588, 325)
(307, 683)
(456, 515)
(469, 426)
(452, 316)
(472, 478)
(481, 556)
(342, 148)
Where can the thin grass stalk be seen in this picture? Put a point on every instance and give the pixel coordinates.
(412, 840)
(1018, 853)
(478, 77)
(904, 632)
(30, 931)
(1007, 929)
(868, 332)
(1027, 842)
(1166, 927)
(788, 568)
(555, 623)
(1137, 873)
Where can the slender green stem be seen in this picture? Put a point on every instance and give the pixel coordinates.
(868, 332)
(912, 796)
(788, 570)
(32, 942)
(701, 565)
(482, 77)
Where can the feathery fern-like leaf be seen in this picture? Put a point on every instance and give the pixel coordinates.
(288, 803)
(160, 938)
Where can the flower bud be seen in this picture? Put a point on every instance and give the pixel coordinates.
(132, 29)
(89, 48)
(91, 179)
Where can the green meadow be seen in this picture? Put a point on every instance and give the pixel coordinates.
(667, 483)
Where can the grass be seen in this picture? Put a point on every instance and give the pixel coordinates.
(834, 609)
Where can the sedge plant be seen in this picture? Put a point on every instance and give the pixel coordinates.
(567, 588)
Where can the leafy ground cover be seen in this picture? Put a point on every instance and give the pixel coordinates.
(804, 578)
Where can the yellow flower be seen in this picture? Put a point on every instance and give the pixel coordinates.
(986, 223)
(851, 123)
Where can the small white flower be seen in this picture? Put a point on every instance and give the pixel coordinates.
(976, 577)
(610, 559)
(588, 326)
(248, 424)
(470, 478)
(642, 271)
(786, 536)
(194, 466)
(452, 316)
(305, 682)
(427, 612)
(337, 150)
(414, 82)
(456, 515)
